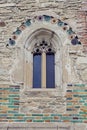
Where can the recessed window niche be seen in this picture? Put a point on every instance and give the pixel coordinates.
(42, 61)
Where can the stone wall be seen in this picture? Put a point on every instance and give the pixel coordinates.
(13, 13)
(69, 103)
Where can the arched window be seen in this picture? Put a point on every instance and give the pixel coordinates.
(43, 65)
(40, 61)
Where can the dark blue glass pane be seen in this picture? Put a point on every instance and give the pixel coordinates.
(37, 71)
(50, 70)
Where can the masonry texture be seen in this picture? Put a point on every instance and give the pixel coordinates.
(67, 103)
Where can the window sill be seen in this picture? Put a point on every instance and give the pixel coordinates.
(42, 89)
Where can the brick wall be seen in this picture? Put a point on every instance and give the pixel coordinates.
(76, 106)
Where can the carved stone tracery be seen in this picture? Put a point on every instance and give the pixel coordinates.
(43, 46)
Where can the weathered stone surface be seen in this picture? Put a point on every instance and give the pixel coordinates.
(68, 102)
(81, 65)
(46, 104)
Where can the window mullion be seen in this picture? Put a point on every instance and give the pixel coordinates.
(43, 70)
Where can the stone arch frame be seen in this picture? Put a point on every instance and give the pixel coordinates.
(29, 40)
(48, 35)
(61, 31)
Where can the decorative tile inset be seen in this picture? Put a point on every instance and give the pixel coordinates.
(54, 21)
(28, 22)
(60, 23)
(18, 31)
(69, 31)
(40, 18)
(47, 18)
(11, 42)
